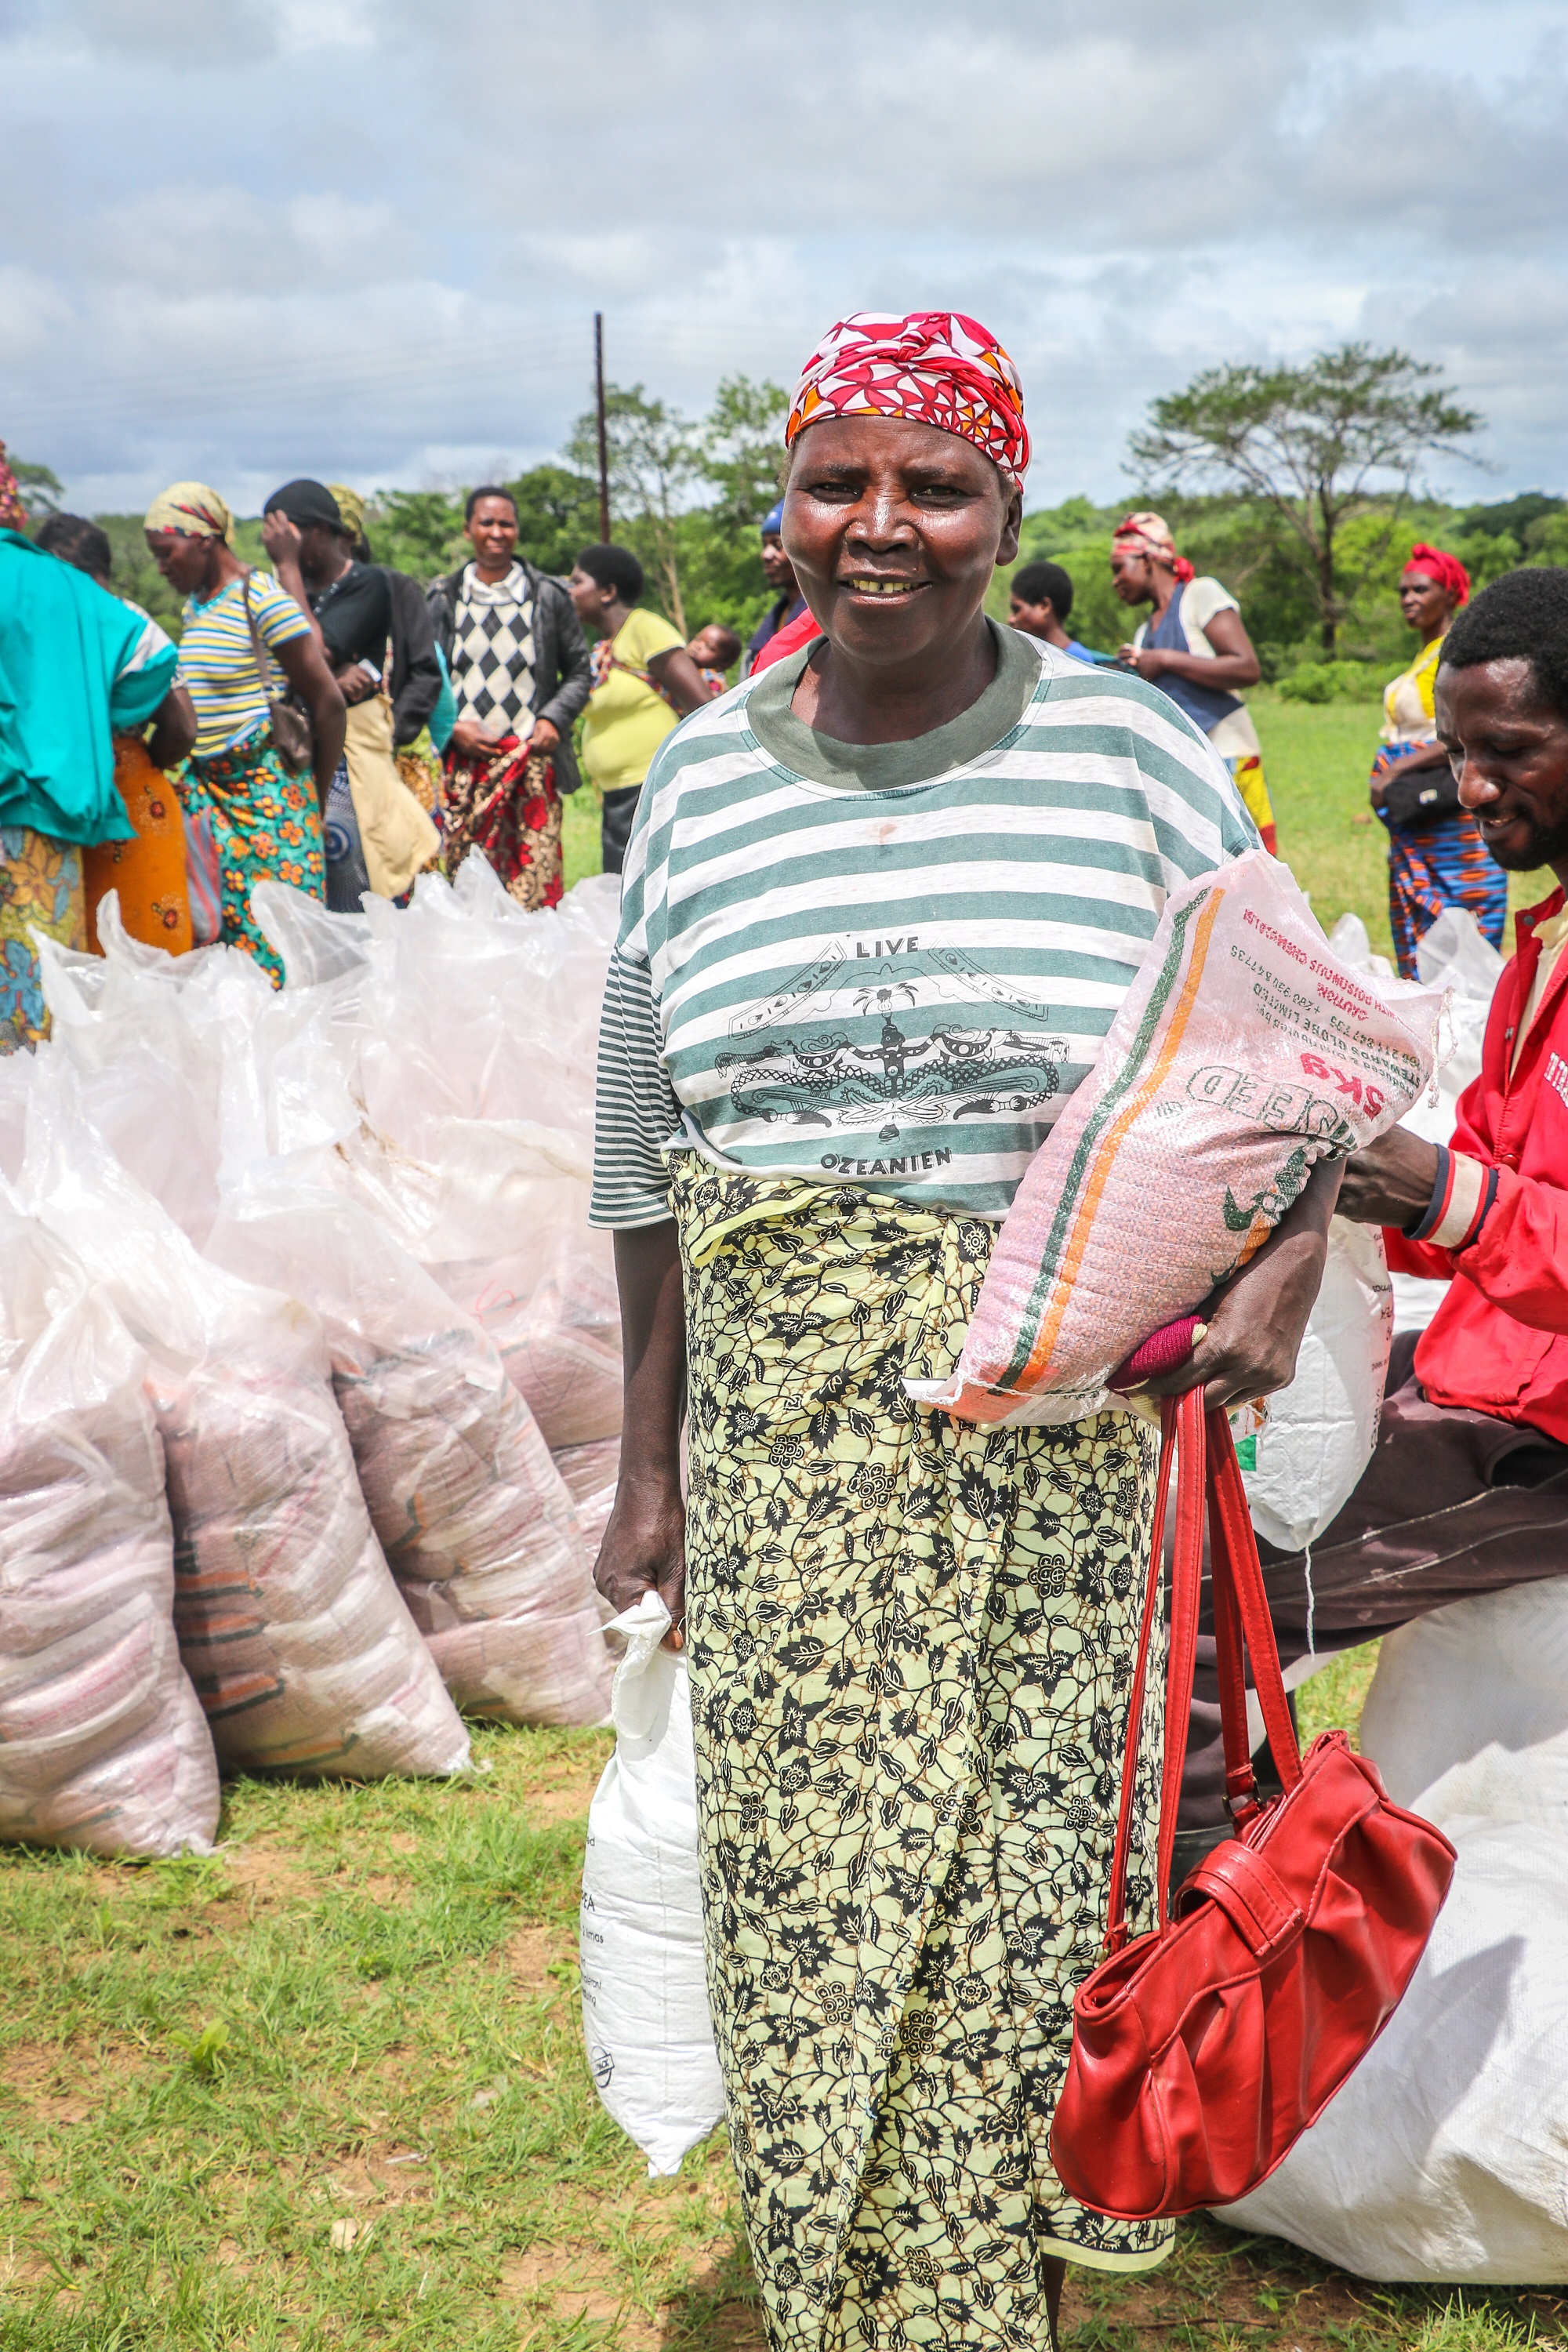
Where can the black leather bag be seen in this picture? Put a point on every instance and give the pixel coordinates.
(1420, 797)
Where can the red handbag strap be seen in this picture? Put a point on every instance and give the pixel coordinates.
(1181, 1442)
(1202, 1447)
(1241, 1606)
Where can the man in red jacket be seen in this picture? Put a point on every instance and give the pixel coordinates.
(1466, 1491)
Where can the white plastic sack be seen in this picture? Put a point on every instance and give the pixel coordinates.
(465, 1030)
(500, 1217)
(1446, 2155)
(291, 1627)
(1454, 956)
(1468, 1713)
(476, 1521)
(103, 1744)
(646, 2017)
(1318, 1433)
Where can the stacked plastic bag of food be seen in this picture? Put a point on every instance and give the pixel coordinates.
(300, 1649)
(345, 1226)
(103, 1744)
(478, 1526)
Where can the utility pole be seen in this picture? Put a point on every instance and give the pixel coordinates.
(599, 408)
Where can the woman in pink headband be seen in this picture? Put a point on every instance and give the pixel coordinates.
(880, 903)
(1194, 648)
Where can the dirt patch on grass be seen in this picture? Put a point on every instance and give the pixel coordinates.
(531, 1953)
(563, 1795)
(558, 2286)
(387, 1894)
(67, 2082)
(269, 1877)
(391, 2174)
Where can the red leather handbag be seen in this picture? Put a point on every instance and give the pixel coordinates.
(1202, 2050)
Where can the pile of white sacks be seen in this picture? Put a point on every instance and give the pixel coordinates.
(309, 1362)
(1446, 2154)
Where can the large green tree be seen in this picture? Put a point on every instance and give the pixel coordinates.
(655, 457)
(744, 457)
(1341, 436)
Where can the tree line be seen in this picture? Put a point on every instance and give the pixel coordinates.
(1300, 487)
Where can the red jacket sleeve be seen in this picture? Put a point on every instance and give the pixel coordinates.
(1520, 1261)
(1417, 1257)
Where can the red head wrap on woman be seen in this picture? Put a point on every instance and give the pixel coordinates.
(1148, 534)
(936, 367)
(1446, 570)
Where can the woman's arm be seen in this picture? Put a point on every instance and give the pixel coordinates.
(682, 679)
(1257, 1319)
(173, 729)
(281, 538)
(1233, 662)
(305, 667)
(644, 1543)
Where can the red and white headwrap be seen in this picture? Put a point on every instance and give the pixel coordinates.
(1148, 534)
(936, 367)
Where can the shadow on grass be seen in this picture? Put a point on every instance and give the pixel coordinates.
(719, 2311)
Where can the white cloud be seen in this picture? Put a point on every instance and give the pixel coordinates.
(360, 238)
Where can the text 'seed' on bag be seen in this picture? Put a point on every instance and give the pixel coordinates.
(1242, 1054)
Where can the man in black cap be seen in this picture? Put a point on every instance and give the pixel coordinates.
(350, 608)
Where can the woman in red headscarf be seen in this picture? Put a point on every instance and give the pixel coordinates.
(1194, 648)
(880, 904)
(1436, 857)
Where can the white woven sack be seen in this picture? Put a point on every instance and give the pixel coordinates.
(1446, 2154)
(1319, 1431)
(646, 2017)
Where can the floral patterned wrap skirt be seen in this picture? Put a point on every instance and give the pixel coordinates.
(268, 827)
(911, 1645)
(40, 889)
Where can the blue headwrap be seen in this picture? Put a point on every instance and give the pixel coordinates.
(772, 522)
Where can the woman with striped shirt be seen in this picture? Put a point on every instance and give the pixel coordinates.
(881, 903)
(265, 821)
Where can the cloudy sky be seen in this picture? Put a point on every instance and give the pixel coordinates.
(243, 240)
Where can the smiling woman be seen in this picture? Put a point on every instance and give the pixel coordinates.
(880, 904)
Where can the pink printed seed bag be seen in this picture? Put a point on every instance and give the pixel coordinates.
(1243, 1052)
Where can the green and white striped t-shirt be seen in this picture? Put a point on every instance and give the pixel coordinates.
(891, 964)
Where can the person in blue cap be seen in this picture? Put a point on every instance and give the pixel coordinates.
(788, 603)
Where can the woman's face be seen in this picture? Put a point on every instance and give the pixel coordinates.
(589, 598)
(894, 530)
(183, 561)
(1427, 606)
(1133, 576)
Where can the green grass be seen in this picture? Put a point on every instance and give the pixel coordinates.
(325, 2092)
(580, 833)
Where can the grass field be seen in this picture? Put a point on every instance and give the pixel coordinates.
(326, 2092)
